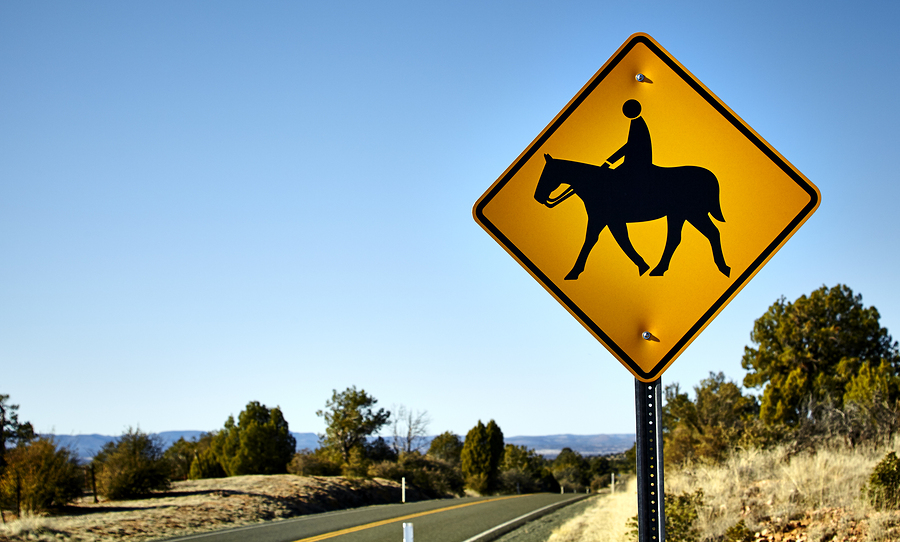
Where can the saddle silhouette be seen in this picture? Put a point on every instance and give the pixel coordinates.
(614, 198)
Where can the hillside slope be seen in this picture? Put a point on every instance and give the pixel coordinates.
(197, 506)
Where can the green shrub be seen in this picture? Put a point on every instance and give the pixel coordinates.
(571, 470)
(883, 489)
(523, 470)
(739, 533)
(478, 483)
(131, 466)
(180, 457)
(322, 462)
(633, 532)
(206, 465)
(379, 450)
(682, 511)
(389, 470)
(357, 466)
(435, 478)
(259, 443)
(39, 475)
(446, 446)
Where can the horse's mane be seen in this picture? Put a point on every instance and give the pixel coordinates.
(579, 169)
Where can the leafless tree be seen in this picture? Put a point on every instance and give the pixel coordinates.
(410, 429)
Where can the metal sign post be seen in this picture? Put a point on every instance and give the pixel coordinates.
(649, 448)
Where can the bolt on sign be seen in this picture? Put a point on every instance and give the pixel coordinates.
(645, 206)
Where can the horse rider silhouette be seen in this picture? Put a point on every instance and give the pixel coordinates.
(636, 191)
(637, 150)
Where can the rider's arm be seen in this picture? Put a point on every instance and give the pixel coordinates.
(617, 155)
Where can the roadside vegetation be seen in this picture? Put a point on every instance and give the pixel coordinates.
(38, 476)
(806, 447)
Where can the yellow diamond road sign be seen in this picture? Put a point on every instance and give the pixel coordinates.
(645, 206)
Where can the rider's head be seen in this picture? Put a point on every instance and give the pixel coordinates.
(632, 109)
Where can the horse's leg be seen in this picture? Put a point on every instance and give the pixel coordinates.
(620, 232)
(590, 239)
(673, 239)
(705, 226)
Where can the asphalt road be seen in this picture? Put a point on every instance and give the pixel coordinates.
(453, 520)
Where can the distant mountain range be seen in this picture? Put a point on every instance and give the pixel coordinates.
(86, 446)
(549, 446)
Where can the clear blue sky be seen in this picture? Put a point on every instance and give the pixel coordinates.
(208, 203)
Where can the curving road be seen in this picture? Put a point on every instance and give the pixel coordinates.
(457, 520)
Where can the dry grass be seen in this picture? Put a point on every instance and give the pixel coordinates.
(605, 521)
(201, 506)
(811, 497)
(28, 527)
(817, 495)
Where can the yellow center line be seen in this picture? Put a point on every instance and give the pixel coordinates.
(395, 520)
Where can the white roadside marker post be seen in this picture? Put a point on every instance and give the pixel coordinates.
(407, 532)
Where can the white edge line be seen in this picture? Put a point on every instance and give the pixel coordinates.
(533, 512)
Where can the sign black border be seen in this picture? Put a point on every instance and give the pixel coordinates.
(735, 286)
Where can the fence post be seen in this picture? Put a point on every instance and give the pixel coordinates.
(403, 490)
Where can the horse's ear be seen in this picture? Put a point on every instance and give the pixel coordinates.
(547, 157)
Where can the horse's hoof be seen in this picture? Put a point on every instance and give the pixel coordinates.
(658, 272)
(572, 275)
(725, 270)
(642, 269)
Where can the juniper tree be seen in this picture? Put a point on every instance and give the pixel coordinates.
(708, 426)
(475, 458)
(260, 443)
(131, 466)
(811, 349)
(350, 417)
(12, 432)
(446, 446)
(481, 455)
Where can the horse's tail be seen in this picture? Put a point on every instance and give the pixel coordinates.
(715, 205)
(716, 211)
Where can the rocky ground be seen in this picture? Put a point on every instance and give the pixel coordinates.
(834, 524)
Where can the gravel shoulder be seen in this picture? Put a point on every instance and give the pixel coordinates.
(540, 529)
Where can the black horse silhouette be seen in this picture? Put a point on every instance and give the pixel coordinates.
(685, 193)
